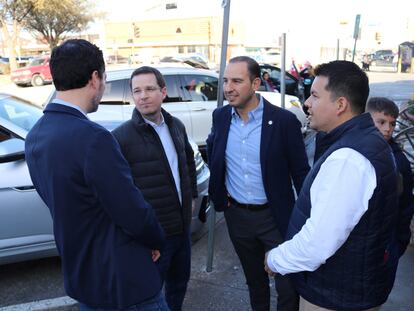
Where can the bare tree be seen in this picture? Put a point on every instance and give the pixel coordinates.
(12, 14)
(53, 19)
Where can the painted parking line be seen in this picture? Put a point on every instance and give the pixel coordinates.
(40, 305)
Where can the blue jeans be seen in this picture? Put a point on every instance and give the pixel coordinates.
(156, 303)
(175, 267)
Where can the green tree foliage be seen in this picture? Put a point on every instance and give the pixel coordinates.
(54, 19)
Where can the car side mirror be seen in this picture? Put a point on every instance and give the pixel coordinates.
(11, 150)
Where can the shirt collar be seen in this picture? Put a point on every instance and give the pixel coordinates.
(255, 115)
(153, 124)
(65, 103)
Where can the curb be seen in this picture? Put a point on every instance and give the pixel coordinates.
(60, 303)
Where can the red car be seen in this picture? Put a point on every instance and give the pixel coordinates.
(36, 73)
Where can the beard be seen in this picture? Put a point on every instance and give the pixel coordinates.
(94, 105)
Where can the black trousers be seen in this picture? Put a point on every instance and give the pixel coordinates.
(253, 233)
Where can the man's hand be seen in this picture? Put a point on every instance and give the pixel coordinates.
(155, 255)
(266, 267)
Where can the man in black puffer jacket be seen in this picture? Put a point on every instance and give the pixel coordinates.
(156, 147)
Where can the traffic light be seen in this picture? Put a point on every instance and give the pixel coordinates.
(377, 36)
(137, 33)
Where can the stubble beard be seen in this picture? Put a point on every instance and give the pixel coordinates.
(95, 104)
(246, 102)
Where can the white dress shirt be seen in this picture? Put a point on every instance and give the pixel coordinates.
(339, 197)
(169, 149)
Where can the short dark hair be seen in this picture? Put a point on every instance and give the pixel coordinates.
(348, 80)
(73, 62)
(146, 70)
(252, 66)
(382, 104)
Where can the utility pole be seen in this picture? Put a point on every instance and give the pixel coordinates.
(356, 33)
(212, 213)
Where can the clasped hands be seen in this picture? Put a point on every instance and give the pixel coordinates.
(155, 254)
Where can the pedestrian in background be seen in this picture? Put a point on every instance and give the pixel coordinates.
(161, 158)
(365, 62)
(255, 150)
(268, 84)
(106, 234)
(385, 112)
(293, 70)
(343, 219)
(307, 76)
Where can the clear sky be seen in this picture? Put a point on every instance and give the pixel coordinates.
(279, 13)
(304, 21)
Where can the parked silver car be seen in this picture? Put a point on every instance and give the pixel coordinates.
(26, 230)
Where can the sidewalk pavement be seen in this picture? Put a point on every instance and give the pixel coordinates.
(224, 288)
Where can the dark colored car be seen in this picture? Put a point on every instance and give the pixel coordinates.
(293, 86)
(116, 59)
(192, 60)
(382, 58)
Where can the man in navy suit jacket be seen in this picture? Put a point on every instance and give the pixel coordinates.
(255, 150)
(107, 235)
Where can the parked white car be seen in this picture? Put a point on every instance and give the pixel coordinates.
(191, 97)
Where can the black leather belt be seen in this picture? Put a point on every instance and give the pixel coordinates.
(251, 207)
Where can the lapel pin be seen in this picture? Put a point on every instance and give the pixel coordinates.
(270, 122)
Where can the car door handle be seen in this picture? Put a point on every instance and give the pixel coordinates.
(24, 188)
(198, 109)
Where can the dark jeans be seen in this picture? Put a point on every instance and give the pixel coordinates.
(175, 267)
(253, 233)
(156, 303)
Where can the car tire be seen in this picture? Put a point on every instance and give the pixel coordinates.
(37, 80)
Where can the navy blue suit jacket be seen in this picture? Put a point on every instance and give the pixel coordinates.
(282, 159)
(104, 230)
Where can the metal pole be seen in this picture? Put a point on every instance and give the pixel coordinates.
(212, 213)
(283, 71)
(356, 33)
(337, 49)
(353, 52)
(223, 57)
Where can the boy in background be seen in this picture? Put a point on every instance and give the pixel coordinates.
(385, 112)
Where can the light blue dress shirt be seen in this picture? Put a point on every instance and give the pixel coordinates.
(64, 103)
(244, 180)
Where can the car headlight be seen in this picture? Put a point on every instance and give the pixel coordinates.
(295, 102)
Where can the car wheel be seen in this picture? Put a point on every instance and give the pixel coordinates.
(37, 80)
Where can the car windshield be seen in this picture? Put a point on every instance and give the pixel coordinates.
(36, 62)
(19, 112)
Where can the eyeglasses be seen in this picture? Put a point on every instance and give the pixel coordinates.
(147, 90)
